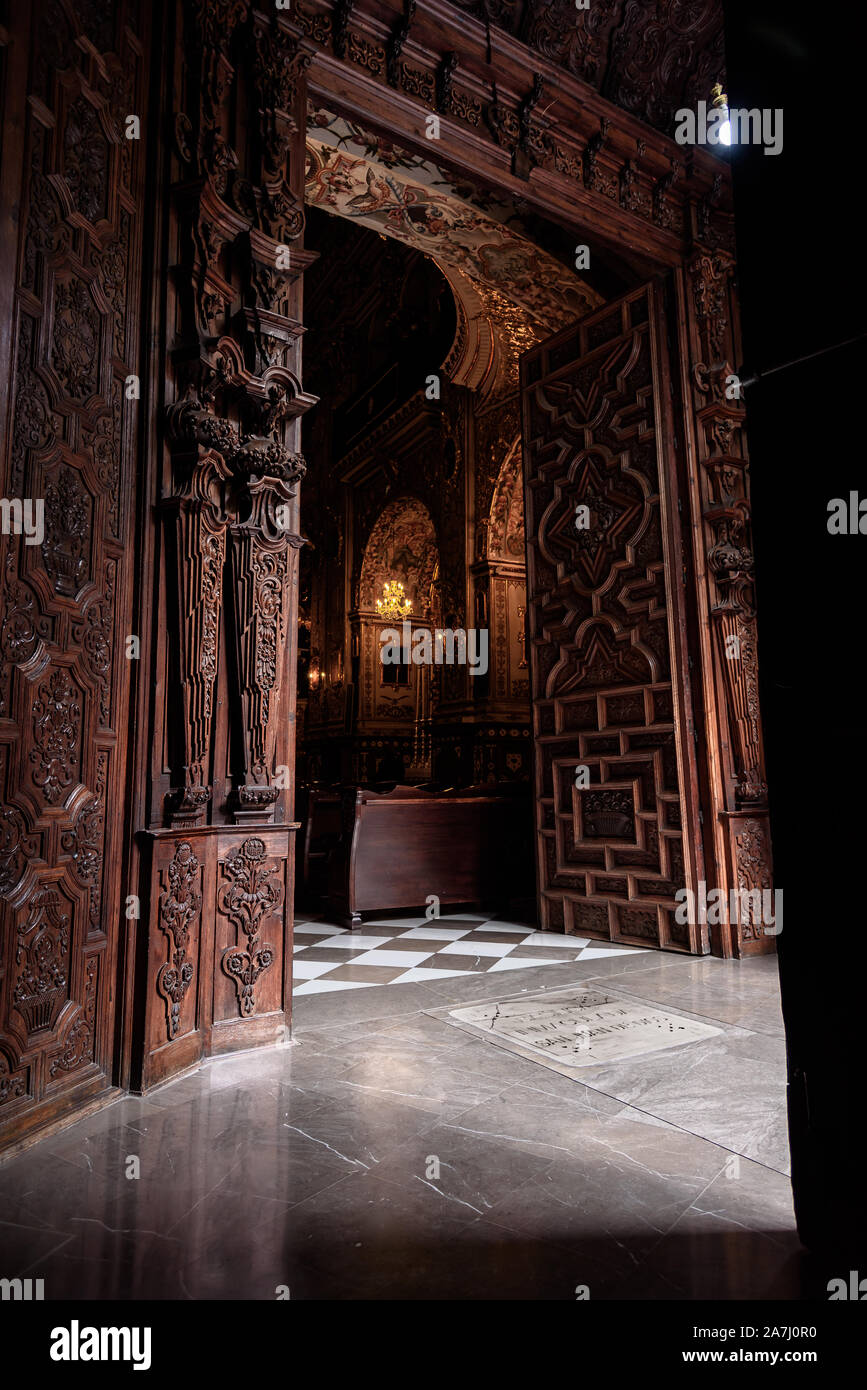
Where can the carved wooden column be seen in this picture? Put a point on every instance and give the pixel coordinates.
(196, 542)
(221, 831)
(724, 575)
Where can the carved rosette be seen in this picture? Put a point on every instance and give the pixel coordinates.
(252, 892)
(180, 909)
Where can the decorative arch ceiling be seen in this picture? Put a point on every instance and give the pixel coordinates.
(510, 293)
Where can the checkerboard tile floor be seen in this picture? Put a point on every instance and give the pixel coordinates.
(399, 950)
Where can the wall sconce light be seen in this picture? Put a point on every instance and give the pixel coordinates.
(720, 102)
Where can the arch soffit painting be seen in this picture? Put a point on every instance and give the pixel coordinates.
(492, 332)
(509, 292)
(402, 545)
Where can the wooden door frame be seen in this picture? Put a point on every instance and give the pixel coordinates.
(581, 162)
(594, 166)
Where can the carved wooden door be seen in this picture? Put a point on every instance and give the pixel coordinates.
(70, 249)
(617, 819)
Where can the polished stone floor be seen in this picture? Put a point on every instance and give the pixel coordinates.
(388, 1154)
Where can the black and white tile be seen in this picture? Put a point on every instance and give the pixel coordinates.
(411, 950)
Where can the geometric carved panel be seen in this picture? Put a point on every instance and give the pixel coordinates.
(72, 272)
(610, 823)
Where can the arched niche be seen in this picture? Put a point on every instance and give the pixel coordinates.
(500, 576)
(505, 538)
(403, 546)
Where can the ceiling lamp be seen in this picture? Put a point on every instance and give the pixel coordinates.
(393, 606)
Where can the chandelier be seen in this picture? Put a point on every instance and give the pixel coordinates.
(393, 605)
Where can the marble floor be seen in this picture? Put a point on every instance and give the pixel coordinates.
(387, 1154)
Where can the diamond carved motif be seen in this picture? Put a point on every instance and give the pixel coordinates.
(615, 510)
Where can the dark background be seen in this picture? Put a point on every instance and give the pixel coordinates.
(801, 249)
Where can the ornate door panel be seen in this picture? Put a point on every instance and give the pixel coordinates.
(617, 830)
(72, 200)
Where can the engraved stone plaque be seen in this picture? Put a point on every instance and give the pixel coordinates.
(582, 1028)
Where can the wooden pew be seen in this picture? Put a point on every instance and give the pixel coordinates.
(400, 847)
(321, 817)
